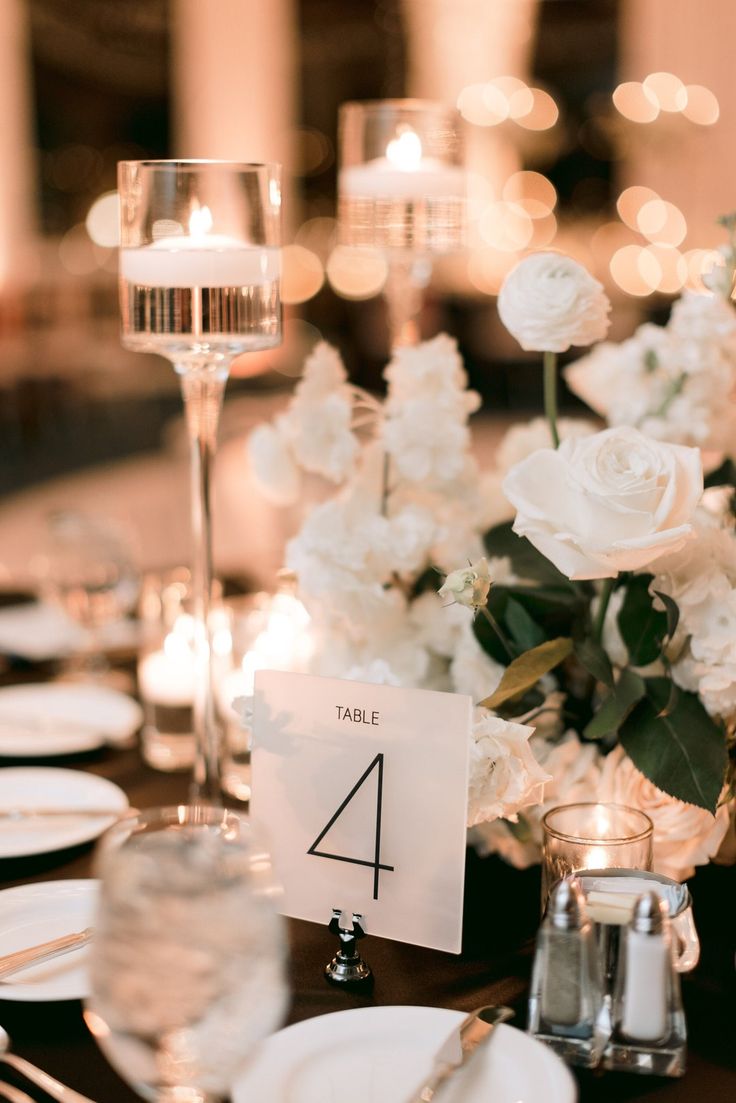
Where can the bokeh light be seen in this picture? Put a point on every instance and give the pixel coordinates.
(636, 102)
(634, 273)
(103, 220)
(77, 252)
(630, 202)
(531, 191)
(673, 269)
(667, 89)
(356, 273)
(702, 105)
(661, 222)
(699, 262)
(302, 274)
(488, 268)
(543, 114)
(506, 226)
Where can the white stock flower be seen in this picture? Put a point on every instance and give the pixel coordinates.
(430, 369)
(321, 436)
(272, 464)
(438, 626)
(469, 585)
(323, 373)
(611, 502)
(548, 302)
(427, 440)
(685, 836)
(504, 774)
(412, 534)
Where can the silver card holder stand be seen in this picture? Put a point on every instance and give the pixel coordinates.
(347, 968)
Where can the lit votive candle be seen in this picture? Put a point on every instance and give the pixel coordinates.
(403, 173)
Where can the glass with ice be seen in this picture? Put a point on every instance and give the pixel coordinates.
(187, 961)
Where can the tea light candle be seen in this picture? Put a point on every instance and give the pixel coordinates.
(167, 676)
(404, 173)
(199, 259)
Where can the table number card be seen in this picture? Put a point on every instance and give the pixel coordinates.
(363, 792)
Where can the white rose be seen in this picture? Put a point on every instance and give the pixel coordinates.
(548, 302)
(504, 774)
(611, 502)
(684, 836)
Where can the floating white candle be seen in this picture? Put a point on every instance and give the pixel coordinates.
(403, 174)
(199, 259)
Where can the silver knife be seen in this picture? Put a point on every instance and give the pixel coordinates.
(473, 1031)
(23, 959)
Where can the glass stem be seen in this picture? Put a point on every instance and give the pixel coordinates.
(202, 389)
(404, 292)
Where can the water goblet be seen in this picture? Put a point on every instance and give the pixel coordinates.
(199, 284)
(187, 960)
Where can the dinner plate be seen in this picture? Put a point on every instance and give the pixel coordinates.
(39, 720)
(31, 914)
(382, 1054)
(48, 787)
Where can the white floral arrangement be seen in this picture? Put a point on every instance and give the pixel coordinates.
(595, 621)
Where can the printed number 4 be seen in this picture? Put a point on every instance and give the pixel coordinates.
(375, 865)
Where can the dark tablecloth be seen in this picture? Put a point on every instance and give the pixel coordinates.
(501, 914)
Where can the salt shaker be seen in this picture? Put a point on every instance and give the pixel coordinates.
(566, 991)
(648, 1027)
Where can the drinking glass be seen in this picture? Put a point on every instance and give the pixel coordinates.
(187, 962)
(593, 836)
(402, 191)
(89, 571)
(199, 284)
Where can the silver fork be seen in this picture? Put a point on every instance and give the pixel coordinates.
(37, 1076)
(14, 1095)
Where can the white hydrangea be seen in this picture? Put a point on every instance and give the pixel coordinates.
(321, 437)
(472, 670)
(272, 464)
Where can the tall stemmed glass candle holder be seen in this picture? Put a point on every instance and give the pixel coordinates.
(402, 190)
(199, 284)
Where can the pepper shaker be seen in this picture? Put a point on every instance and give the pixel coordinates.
(565, 1003)
(648, 1032)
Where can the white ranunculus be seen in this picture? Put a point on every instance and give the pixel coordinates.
(504, 774)
(548, 302)
(685, 836)
(611, 502)
(272, 464)
(468, 586)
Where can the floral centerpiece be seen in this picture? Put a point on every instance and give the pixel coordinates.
(583, 592)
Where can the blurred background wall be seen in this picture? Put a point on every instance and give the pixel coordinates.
(599, 127)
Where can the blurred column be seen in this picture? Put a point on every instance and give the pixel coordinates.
(455, 43)
(234, 79)
(17, 167)
(691, 166)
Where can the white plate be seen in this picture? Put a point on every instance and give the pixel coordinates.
(382, 1054)
(63, 718)
(31, 914)
(47, 787)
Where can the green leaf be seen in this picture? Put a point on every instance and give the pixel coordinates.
(524, 629)
(627, 693)
(595, 660)
(682, 752)
(672, 612)
(525, 559)
(526, 671)
(725, 475)
(641, 625)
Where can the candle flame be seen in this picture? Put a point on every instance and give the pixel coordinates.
(405, 150)
(200, 221)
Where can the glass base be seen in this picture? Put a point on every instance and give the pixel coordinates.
(666, 1060)
(584, 1052)
(168, 751)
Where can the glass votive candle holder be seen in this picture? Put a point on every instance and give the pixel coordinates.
(401, 184)
(593, 836)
